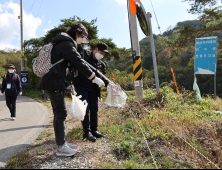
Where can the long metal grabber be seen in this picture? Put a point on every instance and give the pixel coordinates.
(98, 72)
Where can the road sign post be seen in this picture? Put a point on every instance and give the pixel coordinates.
(206, 57)
(153, 55)
(135, 8)
(137, 66)
(21, 23)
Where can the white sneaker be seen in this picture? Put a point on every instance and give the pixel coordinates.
(70, 145)
(12, 118)
(65, 150)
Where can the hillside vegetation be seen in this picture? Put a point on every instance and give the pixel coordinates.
(181, 61)
(166, 131)
(9, 57)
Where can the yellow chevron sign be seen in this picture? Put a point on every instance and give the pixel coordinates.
(137, 68)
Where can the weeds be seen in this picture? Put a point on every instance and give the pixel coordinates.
(169, 111)
(44, 134)
(75, 134)
(20, 161)
(40, 151)
(167, 120)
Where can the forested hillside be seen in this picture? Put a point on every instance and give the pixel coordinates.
(181, 61)
(171, 52)
(9, 57)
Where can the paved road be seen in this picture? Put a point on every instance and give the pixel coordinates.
(32, 117)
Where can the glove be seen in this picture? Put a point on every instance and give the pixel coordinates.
(20, 93)
(98, 81)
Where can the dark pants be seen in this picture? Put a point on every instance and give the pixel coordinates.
(43, 96)
(90, 95)
(11, 104)
(60, 113)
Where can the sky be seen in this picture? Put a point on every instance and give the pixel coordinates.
(39, 16)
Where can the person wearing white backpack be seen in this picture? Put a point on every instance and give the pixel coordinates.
(54, 82)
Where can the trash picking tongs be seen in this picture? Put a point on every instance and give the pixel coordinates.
(99, 72)
(123, 95)
(73, 91)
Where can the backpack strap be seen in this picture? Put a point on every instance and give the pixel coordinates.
(16, 77)
(58, 62)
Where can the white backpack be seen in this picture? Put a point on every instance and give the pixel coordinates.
(42, 64)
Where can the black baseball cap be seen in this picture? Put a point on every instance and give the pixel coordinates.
(11, 66)
(102, 47)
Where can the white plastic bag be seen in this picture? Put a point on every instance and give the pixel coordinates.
(77, 108)
(116, 96)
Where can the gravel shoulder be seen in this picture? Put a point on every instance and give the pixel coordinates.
(90, 155)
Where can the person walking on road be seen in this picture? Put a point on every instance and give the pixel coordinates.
(44, 95)
(91, 91)
(11, 85)
(54, 83)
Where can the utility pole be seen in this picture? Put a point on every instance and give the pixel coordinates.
(137, 65)
(136, 9)
(21, 23)
(153, 54)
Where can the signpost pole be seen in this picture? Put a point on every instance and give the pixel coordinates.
(137, 65)
(21, 22)
(153, 54)
(215, 96)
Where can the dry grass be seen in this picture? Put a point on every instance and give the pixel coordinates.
(172, 124)
(167, 121)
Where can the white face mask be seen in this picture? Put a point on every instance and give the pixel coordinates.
(79, 40)
(11, 71)
(85, 41)
(99, 56)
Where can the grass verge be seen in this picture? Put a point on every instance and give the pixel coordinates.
(168, 124)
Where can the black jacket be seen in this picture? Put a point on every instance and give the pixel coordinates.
(64, 47)
(80, 80)
(14, 80)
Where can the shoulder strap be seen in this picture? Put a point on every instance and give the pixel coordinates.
(16, 77)
(58, 62)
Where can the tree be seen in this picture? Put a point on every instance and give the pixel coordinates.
(198, 6)
(210, 14)
(33, 46)
(12, 56)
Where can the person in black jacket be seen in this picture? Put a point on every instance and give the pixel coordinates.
(11, 85)
(91, 91)
(54, 83)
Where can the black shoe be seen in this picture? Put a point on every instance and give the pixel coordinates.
(98, 135)
(89, 136)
